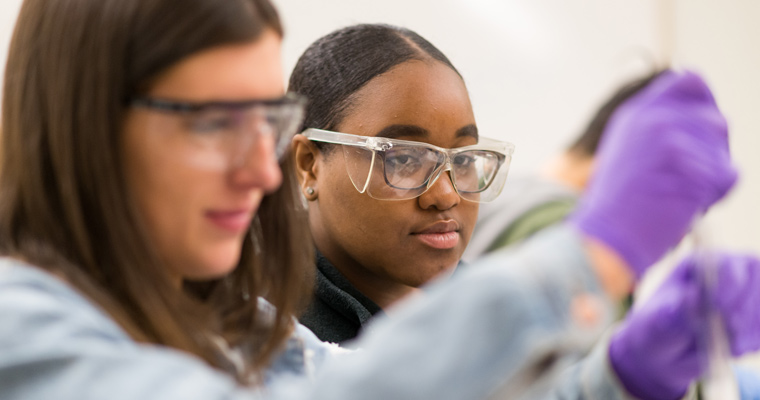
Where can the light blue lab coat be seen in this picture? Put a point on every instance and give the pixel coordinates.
(470, 337)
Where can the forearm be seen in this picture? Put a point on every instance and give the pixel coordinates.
(471, 336)
(478, 332)
(592, 378)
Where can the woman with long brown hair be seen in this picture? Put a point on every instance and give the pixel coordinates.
(129, 171)
(153, 249)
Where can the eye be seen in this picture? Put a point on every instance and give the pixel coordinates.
(212, 121)
(464, 160)
(402, 160)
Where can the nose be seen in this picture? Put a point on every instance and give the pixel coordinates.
(256, 165)
(441, 195)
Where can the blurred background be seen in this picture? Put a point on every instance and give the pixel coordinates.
(537, 69)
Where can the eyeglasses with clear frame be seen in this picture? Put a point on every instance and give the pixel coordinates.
(225, 131)
(393, 169)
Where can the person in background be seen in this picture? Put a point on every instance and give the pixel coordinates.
(140, 142)
(532, 203)
(153, 249)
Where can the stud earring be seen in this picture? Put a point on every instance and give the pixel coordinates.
(310, 191)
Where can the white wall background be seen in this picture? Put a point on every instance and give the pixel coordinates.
(536, 69)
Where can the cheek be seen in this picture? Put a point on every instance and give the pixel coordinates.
(469, 217)
(167, 191)
(359, 220)
(160, 183)
(163, 194)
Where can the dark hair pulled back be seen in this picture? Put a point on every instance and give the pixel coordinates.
(337, 65)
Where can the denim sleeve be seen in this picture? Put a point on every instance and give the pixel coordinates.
(56, 345)
(491, 329)
(592, 378)
(497, 327)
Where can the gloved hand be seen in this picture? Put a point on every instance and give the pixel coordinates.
(658, 351)
(663, 159)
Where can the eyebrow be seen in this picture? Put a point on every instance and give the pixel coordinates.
(468, 130)
(397, 131)
(414, 131)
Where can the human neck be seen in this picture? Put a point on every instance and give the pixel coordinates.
(382, 291)
(570, 169)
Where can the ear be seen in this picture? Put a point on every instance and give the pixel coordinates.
(305, 154)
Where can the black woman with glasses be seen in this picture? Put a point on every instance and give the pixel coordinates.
(393, 168)
(401, 208)
(154, 246)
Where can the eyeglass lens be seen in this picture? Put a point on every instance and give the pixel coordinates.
(404, 172)
(234, 130)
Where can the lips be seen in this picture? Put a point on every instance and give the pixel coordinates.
(233, 221)
(440, 235)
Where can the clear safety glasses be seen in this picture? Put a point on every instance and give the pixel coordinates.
(226, 131)
(392, 169)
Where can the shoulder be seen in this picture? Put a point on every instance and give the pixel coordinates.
(35, 304)
(497, 219)
(55, 343)
(302, 355)
(541, 216)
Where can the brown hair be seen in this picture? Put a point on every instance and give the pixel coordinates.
(64, 203)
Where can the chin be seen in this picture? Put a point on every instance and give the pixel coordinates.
(225, 257)
(431, 273)
(208, 273)
(445, 270)
(215, 266)
(225, 266)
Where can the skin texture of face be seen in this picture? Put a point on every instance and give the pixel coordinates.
(196, 213)
(380, 246)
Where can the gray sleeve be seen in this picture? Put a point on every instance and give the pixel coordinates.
(592, 378)
(55, 345)
(499, 323)
(493, 326)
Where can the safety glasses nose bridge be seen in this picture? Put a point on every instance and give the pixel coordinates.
(447, 166)
(473, 171)
(440, 170)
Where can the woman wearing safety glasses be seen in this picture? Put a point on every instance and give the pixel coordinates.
(393, 167)
(402, 130)
(152, 248)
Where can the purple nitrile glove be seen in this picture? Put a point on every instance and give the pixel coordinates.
(657, 351)
(663, 160)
